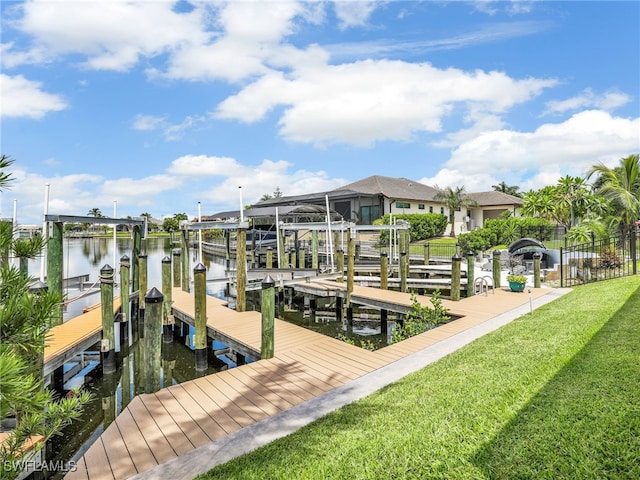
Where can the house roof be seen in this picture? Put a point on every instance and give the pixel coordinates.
(392, 188)
(487, 199)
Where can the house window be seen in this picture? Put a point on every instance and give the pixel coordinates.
(430, 208)
(421, 206)
(442, 210)
(368, 214)
(403, 205)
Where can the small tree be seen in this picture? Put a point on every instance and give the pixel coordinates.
(454, 199)
(25, 318)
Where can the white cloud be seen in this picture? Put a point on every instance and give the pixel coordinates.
(588, 99)
(368, 101)
(538, 158)
(149, 122)
(353, 13)
(111, 34)
(203, 165)
(25, 98)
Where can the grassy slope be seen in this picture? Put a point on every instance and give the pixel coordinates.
(552, 395)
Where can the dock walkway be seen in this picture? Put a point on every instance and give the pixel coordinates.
(160, 427)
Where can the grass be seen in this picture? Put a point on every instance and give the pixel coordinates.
(554, 394)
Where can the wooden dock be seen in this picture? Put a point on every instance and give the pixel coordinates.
(74, 336)
(155, 428)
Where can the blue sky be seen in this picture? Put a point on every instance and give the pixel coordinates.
(159, 105)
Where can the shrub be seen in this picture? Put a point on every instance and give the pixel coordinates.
(423, 225)
(516, 278)
(421, 318)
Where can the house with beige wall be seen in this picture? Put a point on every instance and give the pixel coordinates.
(372, 197)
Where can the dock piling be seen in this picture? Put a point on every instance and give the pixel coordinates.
(496, 268)
(268, 312)
(536, 269)
(200, 295)
(340, 265)
(167, 315)
(384, 270)
(177, 266)
(152, 340)
(456, 261)
(125, 270)
(269, 261)
(471, 265)
(403, 271)
(107, 346)
(54, 267)
(241, 270)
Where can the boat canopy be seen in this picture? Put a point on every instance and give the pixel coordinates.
(525, 242)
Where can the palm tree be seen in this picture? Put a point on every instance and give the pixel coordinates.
(508, 189)
(95, 212)
(454, 199)
(621, 187)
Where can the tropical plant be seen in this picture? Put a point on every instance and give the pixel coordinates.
(454, 199)
(620, 186)
(508, 189)
(565, 203)
(95, 212)
(421, 318)
(516, 279)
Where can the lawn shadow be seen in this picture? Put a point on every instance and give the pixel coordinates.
(585, 422)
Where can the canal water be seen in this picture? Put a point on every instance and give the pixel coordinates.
(113, 392)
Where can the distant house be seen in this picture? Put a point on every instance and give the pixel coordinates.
(372, 197)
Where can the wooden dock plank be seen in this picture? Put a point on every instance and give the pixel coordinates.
(226, 404)
(222, 417)
(211, 429)
(155, 439)
(140, 455)
(97, 462)
(242, 397)
(117, 453)
(181, 416)
(281, 381)
(165, 422)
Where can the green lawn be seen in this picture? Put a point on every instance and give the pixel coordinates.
(554, 394)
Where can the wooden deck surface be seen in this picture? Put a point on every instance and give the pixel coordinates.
(157, 427)
(73, 336)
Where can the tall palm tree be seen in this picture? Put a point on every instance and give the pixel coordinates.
(508, 189)
(454, 199)
(95, 212)
(621, 187)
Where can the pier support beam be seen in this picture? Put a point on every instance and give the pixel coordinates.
(384, 324)
(471, 265)
(107, 347)
(268, 314)
(456, 260)
(384, 271)
(426, 253)
(153, 340)
(496, 268)
(54, 267)
(200, 295)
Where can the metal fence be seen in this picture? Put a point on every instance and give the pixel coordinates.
(600, 259)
